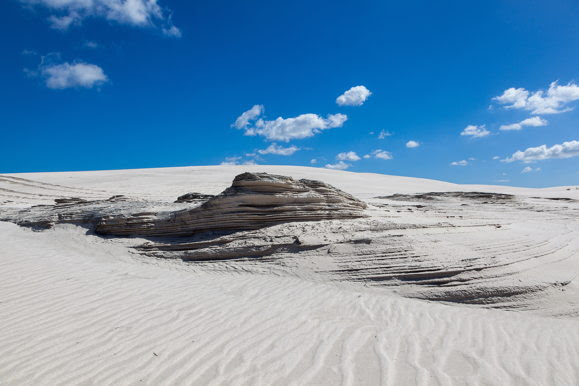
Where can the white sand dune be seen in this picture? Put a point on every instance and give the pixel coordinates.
(80, 309)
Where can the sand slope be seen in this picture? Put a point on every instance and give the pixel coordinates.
(78, 309)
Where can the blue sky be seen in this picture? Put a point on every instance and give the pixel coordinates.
(110, 84)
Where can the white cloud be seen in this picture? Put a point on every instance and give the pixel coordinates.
(302, 126)
(528, 169)
(496, 157)
(90, 44)
(565, 150)
(141, 13)
(66, 75)
(65, 21)
(412, 144)
(533, 122)
(553, 101)
(231, 161)
(313, 161)
(475, 131)
(356, 96)
(366, 156)
(172, 31)
(459, 163)
(248, 116)
(237, 161)
(286, 129)
(383, 134)
(340, 165)
(348, 156)
(382, 154)
(279, 150)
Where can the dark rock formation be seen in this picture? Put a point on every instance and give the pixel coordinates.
(70, 200)
(193, 197)
(254, 200)
(457, 195)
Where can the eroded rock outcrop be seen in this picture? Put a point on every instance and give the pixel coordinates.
(193, 197)
(254, 200)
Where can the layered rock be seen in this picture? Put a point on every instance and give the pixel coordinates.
(193, 197)
(254, 200)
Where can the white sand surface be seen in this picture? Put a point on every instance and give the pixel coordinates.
(79, 309)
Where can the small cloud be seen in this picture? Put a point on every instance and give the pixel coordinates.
(459, 163)
(503, 181)
(496, 157)
(248, 116)
(90, 44)
(528, 169)
(340, 165)
(72, 75)
(231, 161)
(553, 101)
(533, 122)
(172, 31)
(279, 150)
(475, 131)
(382, 154)
(532, 154)
(366, 156)
(412, 144)
(356, 96)
(63, 22)
(237, 161)
(383, 134)
(313, 161)
(348, 156)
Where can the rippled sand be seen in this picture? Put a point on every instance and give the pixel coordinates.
(499, 279)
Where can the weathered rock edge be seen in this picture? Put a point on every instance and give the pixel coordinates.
(254, 200)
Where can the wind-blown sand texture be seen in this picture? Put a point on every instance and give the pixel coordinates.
(435, 285)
